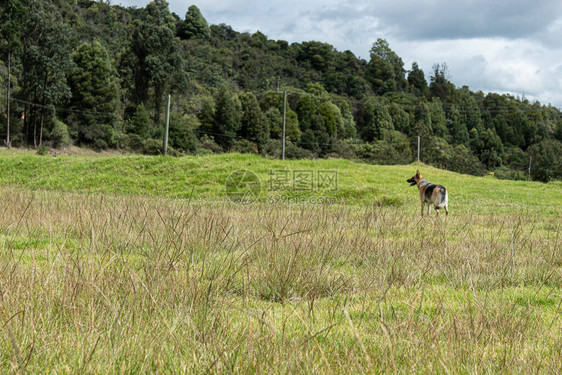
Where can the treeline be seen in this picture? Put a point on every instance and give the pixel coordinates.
(98, 75)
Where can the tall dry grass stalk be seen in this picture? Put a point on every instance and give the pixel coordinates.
(105, 284)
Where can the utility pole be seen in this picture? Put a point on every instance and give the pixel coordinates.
(418, 148)
(529, 175)
(284, 122)
(8, 101)
(167, 126)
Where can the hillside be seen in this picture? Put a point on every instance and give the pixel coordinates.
(98, 75)
(202, 178)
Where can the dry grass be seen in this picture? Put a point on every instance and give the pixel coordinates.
(106, 284)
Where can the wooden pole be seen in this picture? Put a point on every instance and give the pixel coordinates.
(167, 126)
(529, 175)
(284, 122)
(8, 101)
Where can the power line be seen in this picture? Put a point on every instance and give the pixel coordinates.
(61, 109)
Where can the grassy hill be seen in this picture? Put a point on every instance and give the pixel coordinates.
(204, 177)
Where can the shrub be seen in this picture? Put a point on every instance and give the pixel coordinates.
(59, 134)
(209, 143)
(42, 150)
(505, 173)
(244, 146)
(546, 162)
(152, 146)
(180, 135)
(274, 149)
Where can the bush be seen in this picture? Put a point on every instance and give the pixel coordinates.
(99, 144)
(42, 150)
(119, 139)
(274, 149)
(505, 173)
(345, 148)
(546, 162)
(180, 135)
(209, 143)
(383, 152)
(244, 146)
(59, 134)
(152, 146)
(135, 142)
(455, 158)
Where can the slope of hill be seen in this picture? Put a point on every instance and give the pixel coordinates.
(107, 71)
(203, 178)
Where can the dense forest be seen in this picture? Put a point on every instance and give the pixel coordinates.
(98, 75)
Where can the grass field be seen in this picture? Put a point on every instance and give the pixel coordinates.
(133, 264)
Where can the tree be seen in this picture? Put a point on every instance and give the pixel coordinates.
(349, 128)
(385, 70)
(440, 85)
(194, 26)
(438, 119)
(459, 132)
(254, 126)
(181, 136)
(400, 118)
(332, 117)
(546, 163)
(416, 79)
(46, 61)
(158, 63)
(227, 118)
(421, 127)
(138, 124)
(94, 95)
(491, 149)
(12, 14)
(375, 120)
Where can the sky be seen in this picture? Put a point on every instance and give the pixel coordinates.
(498, 46)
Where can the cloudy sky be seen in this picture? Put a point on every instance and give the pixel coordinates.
(506, 46)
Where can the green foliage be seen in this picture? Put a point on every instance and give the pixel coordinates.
(505, 173)
(440, 85)
(457, 158)
(158, 64)
(491, 149)
(245, 146)
(459, 132)
(42, 150)
(438, 119)
(374, 119)
(400, 118)
(45, 63)
(106, 70)
(227, 117)
(385, 70)
(94, 94)
(292, 130)
(139, 123)
(59, 135)
(546, 163)
(181, 132)
(152, 146)
(416, 80)
(254, 124)
(194, 25)
(393, 149)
